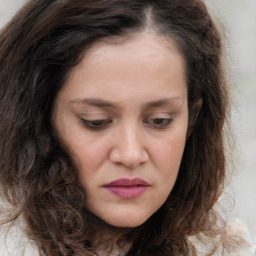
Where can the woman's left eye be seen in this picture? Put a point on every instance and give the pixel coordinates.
(159, 122)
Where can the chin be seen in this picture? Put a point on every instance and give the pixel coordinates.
(127, 221)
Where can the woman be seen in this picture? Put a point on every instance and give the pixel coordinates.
(112, 139)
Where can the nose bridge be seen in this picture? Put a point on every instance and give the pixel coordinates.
(131, 140)
(130, 148)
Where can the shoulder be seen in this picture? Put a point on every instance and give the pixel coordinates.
(233, 240)
(13, 241)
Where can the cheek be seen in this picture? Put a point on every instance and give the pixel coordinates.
(169, 152)
(88, 155)
(166, 156)
(167, 162)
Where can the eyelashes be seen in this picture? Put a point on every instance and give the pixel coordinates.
(96, 125)
(159, 122)
(101, 124)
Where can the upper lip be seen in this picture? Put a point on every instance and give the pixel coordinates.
(126, 182)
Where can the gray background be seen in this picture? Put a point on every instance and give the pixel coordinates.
(239, 20)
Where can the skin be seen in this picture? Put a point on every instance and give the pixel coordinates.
(137, 89)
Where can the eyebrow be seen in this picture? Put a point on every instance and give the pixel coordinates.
(162, 102)
(95, 102)
(100, 103)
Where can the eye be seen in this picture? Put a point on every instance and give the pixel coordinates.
(159, 123)
(96, 125)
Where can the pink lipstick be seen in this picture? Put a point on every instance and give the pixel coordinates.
(127, 188)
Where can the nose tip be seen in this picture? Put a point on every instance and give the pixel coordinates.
(129, 153)
(129, 158)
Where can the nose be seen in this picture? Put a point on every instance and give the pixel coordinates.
(129, 148)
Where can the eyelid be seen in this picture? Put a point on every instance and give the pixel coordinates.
(91, 124)
(159, 120)
(158, 123)
(159, 115)
(94, 116)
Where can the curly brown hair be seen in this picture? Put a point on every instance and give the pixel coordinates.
(38, 49)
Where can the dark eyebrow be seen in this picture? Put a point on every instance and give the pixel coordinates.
(95, 102)
(162, 102)
(107, 104)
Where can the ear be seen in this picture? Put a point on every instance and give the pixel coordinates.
(193, 113)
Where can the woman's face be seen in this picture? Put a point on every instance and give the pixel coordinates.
(123, 116)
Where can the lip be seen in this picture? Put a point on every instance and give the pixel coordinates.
(127, 188)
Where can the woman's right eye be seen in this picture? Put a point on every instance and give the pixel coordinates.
(96, 125)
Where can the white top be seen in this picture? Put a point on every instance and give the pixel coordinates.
(234, 228)
(13, 242)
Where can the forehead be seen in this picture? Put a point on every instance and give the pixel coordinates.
(146, 45)
(144, 62)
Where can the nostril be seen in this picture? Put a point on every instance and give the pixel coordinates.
(129, 157)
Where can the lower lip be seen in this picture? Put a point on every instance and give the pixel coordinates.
(127, 192)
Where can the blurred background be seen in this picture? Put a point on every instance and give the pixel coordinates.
(239, 20)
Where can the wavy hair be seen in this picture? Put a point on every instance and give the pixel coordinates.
(38, 49)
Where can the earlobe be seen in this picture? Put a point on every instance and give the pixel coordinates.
(193, 114)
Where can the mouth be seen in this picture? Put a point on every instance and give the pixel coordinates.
(127, 188)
